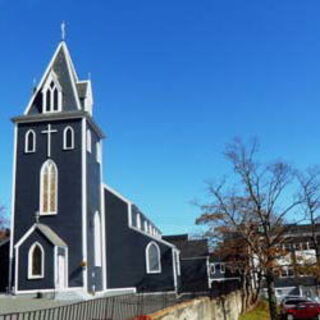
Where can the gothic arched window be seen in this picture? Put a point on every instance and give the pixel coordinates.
(97, 240)
(30, 142)
(98, 152)
(52, 94)
(153, 259)
(89, 141)
(68, 138)
(36, 261)
(48, 188)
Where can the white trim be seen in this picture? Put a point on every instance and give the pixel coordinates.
(89, 140)
(13, 196)
(104, 240)
(30, 261)
(26, 141)
(138, 217)
(224, 279)
(133, 289)
(25, 236)
(65, 132)
(97, 240)
(43, 167)
(174, 269)
(152, 243)
(208, 272)
(84, 202)
(47, 290)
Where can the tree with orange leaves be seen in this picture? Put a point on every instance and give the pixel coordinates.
(251, 210)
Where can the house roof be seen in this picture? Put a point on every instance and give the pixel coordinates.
(189, 248)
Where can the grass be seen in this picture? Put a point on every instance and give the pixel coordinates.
(260, 312)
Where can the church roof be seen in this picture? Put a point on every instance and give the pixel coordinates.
(51, 235)
(46, 231)
(74, 91)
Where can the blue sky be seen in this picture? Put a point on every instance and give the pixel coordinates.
(173, 82)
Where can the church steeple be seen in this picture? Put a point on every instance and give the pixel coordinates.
(60, 89)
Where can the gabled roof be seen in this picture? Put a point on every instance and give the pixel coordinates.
(189, 248)
(46, 231)
(62, 66)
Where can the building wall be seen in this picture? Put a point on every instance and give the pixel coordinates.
(93, 205)
(68, 221)
(194, 275)
(126, 262)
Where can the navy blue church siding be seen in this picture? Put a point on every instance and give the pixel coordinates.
(30, 284)
(68, 221)
(4, 265)
(93, 205)
(126, 263)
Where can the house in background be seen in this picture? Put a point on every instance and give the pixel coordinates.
(300, 248)
(69, 231)
(194, 259)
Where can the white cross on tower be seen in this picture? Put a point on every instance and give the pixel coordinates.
(48, 132)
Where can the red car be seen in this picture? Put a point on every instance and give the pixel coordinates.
(303, 310)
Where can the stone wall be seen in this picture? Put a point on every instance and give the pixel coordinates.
(224, 308)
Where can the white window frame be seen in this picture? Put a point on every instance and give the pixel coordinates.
(89, 141)
(152, 243)
(30, 261)
(98, 152)
(65, 133)
(97, 240)
(26, 141)
(139, 221)
(145, 226)
(41, 189)
(212, 268)
(51, 78)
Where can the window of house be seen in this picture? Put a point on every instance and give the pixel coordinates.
(97, 240)
(212, 269)
(222, 268)
(146, 226)
(36, 261)
(30, 142)
(153, 260)
(89, 141)
(52, 94)
(48, 188)
(68, 138)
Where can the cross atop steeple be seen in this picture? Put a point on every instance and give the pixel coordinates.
(63, 31)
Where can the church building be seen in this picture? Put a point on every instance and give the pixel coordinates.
(69, 230)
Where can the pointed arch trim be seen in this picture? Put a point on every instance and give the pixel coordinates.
(31, 262)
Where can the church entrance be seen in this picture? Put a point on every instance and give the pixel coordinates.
(61, 272)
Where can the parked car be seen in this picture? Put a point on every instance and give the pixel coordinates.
(296, 309)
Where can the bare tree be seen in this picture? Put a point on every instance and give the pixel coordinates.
(254, 206)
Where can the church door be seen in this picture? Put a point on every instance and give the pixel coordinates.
(61, 284)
